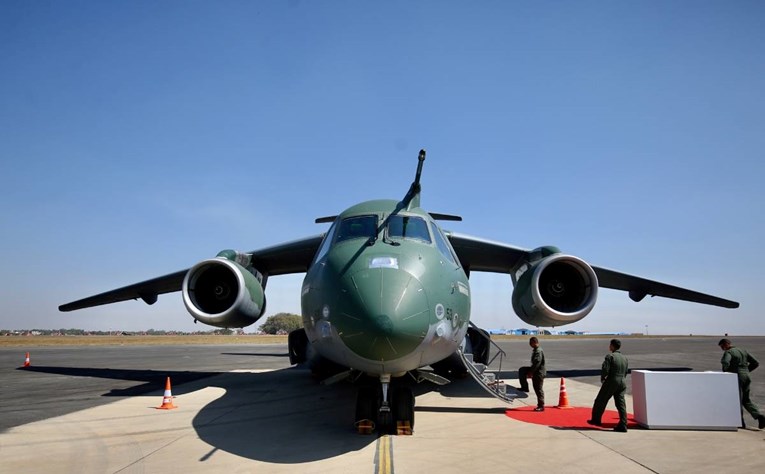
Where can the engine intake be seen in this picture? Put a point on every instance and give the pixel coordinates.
(223, 293)
(557, 290)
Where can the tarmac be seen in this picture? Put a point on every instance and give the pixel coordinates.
(244, 409)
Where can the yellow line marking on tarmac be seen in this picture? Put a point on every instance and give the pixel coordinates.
(384, 455)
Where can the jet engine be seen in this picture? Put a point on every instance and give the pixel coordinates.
(556, 290)
(223, 292)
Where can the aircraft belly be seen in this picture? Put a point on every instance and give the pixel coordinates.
(431, 350)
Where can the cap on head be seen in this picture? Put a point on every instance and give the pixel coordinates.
(724, 342)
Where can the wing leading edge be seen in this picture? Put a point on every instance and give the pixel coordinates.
(282, 259)
(478, 254)
(638, 288)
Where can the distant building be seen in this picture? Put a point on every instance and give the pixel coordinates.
(522, 332)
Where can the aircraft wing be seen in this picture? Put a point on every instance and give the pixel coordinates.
(478, 254)
(639, 287)
(146, 290)
(290, 257)
(483, 255)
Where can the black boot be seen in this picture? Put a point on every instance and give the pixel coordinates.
(761, 421)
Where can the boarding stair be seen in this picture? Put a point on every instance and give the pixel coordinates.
(489, 380)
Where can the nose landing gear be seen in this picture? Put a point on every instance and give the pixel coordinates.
(385, 406)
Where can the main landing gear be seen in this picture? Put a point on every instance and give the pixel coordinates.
(386, 407)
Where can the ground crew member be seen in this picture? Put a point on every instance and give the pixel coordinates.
(537, 371)
(740, 362)
(613, 375)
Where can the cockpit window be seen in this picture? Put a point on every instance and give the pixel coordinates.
(408, 227)
(442, 244)
(357, 228)
(324, 248)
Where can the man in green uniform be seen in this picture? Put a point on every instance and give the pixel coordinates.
(740, 362)
(537, 371)
(613, 375)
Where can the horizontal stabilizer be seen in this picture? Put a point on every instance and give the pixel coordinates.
(445, 217)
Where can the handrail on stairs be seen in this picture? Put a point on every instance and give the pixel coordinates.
(491, 383)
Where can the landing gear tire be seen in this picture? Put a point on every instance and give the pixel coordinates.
(403, 410)
(385, 419)
(367, 405)
(297, 346)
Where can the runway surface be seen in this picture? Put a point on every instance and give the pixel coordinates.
(242, 408)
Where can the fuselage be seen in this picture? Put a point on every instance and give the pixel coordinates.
(385, 293)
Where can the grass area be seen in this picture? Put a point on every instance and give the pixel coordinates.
(28, 341)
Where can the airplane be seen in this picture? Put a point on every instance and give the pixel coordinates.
(386, 293)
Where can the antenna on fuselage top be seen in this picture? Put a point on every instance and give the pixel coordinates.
(412, 198)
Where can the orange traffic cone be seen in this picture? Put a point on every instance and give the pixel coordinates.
(26, 361)
(167, 399)
(563, 400)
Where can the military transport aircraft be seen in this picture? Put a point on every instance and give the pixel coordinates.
(386, 293)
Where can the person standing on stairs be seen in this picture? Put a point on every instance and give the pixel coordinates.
(537, 372)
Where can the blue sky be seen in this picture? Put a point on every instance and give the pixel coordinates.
(137, 138)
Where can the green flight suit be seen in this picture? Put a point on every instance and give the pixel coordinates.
(538, 372)
(740, 362)
(613, 375)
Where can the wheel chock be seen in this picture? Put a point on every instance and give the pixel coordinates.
(403, 428)
(365, 427)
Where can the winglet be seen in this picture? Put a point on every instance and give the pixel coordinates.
(412, 198)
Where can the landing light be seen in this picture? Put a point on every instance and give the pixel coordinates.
(384, 262)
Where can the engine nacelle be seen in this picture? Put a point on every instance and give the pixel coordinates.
(222, 293)
(559, 289)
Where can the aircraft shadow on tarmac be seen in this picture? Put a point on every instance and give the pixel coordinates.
(286, 416)
(282, 416)
(152, 378)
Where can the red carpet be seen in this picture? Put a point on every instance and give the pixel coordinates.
(575, 417)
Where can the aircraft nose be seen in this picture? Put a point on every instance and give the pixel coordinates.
(388, 304)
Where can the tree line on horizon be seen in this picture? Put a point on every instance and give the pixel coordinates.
(280, 323)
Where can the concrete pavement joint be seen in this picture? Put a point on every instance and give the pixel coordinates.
(142, 458)
(616, 452)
